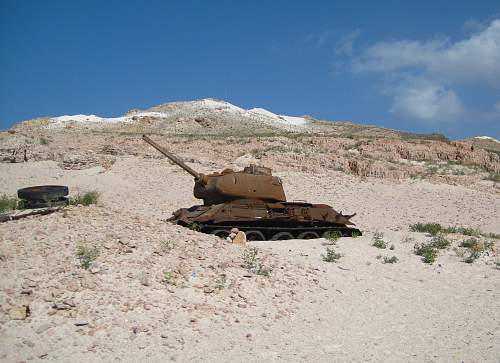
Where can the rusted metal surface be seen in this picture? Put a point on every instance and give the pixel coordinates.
(253, 200)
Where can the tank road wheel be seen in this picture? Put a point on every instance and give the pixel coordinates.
(282, 236)
(254, 235)
(308, 235)
(221, 233)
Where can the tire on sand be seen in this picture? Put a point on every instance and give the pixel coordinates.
(282, 236)
(253, 235)
(43, 192)
(221, 233)
(308, 235)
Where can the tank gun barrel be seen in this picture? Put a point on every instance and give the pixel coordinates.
(172, 157)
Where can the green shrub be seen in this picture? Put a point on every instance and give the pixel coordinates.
(474, 249)
(331, 255)
(494, 177)
(332, 236)
(44, 141)
(9, 203)
(252, 263)
(87, 198)
(440, 242)
(195, 226)
(392, 259)
(431, 228)
(86, 256)
(378, 240)
(427, 251)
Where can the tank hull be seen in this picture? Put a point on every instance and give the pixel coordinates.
(266, 221)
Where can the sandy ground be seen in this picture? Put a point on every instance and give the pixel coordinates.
(357, 309)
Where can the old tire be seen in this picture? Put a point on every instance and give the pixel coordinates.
(43, 192)
(254, 235)
(308, 235)
(221, 233)
(282, 236)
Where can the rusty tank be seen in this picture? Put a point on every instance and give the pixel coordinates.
(253, 200)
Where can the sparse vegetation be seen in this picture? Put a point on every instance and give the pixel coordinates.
(474, 249)
(252, 263)
(435, 228)
(331, 255)
(44, 141)
(195, 227)
(332, 236)
(86, 256)
(88, 198)
(9, 203)
(497, 263)
(167, 246)
(392, 259)
(168, 278)
(428, 253)
(355, 234)
(440, 242)
(431, 228)
(221, 281)
(494, 177)
(378, 240)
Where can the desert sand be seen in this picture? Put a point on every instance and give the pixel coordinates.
(357, 309)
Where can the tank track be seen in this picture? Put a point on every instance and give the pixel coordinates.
(279, 233)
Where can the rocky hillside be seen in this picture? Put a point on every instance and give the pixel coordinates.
(211, 117)
(215, 134)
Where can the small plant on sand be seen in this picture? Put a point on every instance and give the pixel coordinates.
(220, 282)
(427, 251)
(378, 240)
(9, 203)
(331, 255)
(494, 177)
(332, 236)
(474, 249)
(435, 228)
(167, 245)
(431, 228)
(87, 198)
(440, 242)
(355, 234)
(86, 256)
(497, 264)
(44, 141)
(252, 262)
(195, 227)
(168, 278)
(392, 259)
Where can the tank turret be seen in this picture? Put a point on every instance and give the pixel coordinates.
(253, 182)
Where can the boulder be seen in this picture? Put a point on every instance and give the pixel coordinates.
(240, 238)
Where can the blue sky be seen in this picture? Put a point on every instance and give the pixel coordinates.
(420, 66)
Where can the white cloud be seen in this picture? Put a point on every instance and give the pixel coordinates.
(497, 107)
(476, 59)
(427, 102)
(472, 61)
(345, 44)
